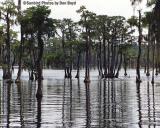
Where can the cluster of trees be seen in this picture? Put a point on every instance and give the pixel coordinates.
(150, 22)
(105, 42)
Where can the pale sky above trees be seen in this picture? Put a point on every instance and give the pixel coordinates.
(107, 7)
(100, 7)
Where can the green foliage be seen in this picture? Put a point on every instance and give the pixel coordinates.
(36, 18)
(129, 50)
(8, 8)
(147, 19)
(133, 21)
(54, 59)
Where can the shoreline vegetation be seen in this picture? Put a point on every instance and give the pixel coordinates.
(106, 43)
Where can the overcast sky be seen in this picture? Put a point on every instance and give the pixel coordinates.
(100, 7)
(107, 7)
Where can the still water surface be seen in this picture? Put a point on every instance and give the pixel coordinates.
(117, 103)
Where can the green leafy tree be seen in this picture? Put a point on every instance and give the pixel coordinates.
(87, 23)
(42, 26)
(8, 14)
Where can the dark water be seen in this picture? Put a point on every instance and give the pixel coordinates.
(118, 103)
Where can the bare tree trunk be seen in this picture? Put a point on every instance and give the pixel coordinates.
(110, 73)
(21, 46)
(116, 60)
(138, 77)
(153, 46)
(157, 59)
(7, 71)
(108, 63)
(125, 65)
(119, 67)
(104, 55)
(148, 51)
(39, 65)
(64, 52)
(78, 64)
(100, 59)
(87, 72)
(20, 58)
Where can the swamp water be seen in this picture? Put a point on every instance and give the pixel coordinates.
(117, 103)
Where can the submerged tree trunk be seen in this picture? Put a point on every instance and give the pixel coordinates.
(125, 65)
(20, 58)
(157, 59)
(71, 55)
(148, 51)
(104, 55)
(116, 60)
(108, 56)
(39, 64)
(21, 46)
(78, 64)
(111, 73)
(119, 67)
(100, 60)
(87, 70)
(64, 52)
(153, 59)
(7, 70)
(138, 78)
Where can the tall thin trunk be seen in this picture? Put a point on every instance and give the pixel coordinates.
(157, 59)
(104, 55)
(125, 65)
(116, 60)
(87, 70)
(111, 75)
(7, 71)
(138, 77)
(119, 67)
(153, 59)
(64, 52)
(148, 52)
(20, 58)
(108, 56)
(71, 56)
(39, 64)
(78, 64)
(21, 45)
(100, 58)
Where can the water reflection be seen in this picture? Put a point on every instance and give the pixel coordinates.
(8, 104)
(148, 104)
(88, 106)
(20, 102)
(154, 116)
(39, 112)
(139, 105)
(70, 103)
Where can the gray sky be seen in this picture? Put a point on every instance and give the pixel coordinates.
(100, 7)
(107, 7)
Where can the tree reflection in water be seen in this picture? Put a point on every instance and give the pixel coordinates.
(148, 104)
(20, 101)
(39, 100)
(139, 105)
(8, 86)
(154, 115)
(88, 106)
(104, 104)
(71, 103)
